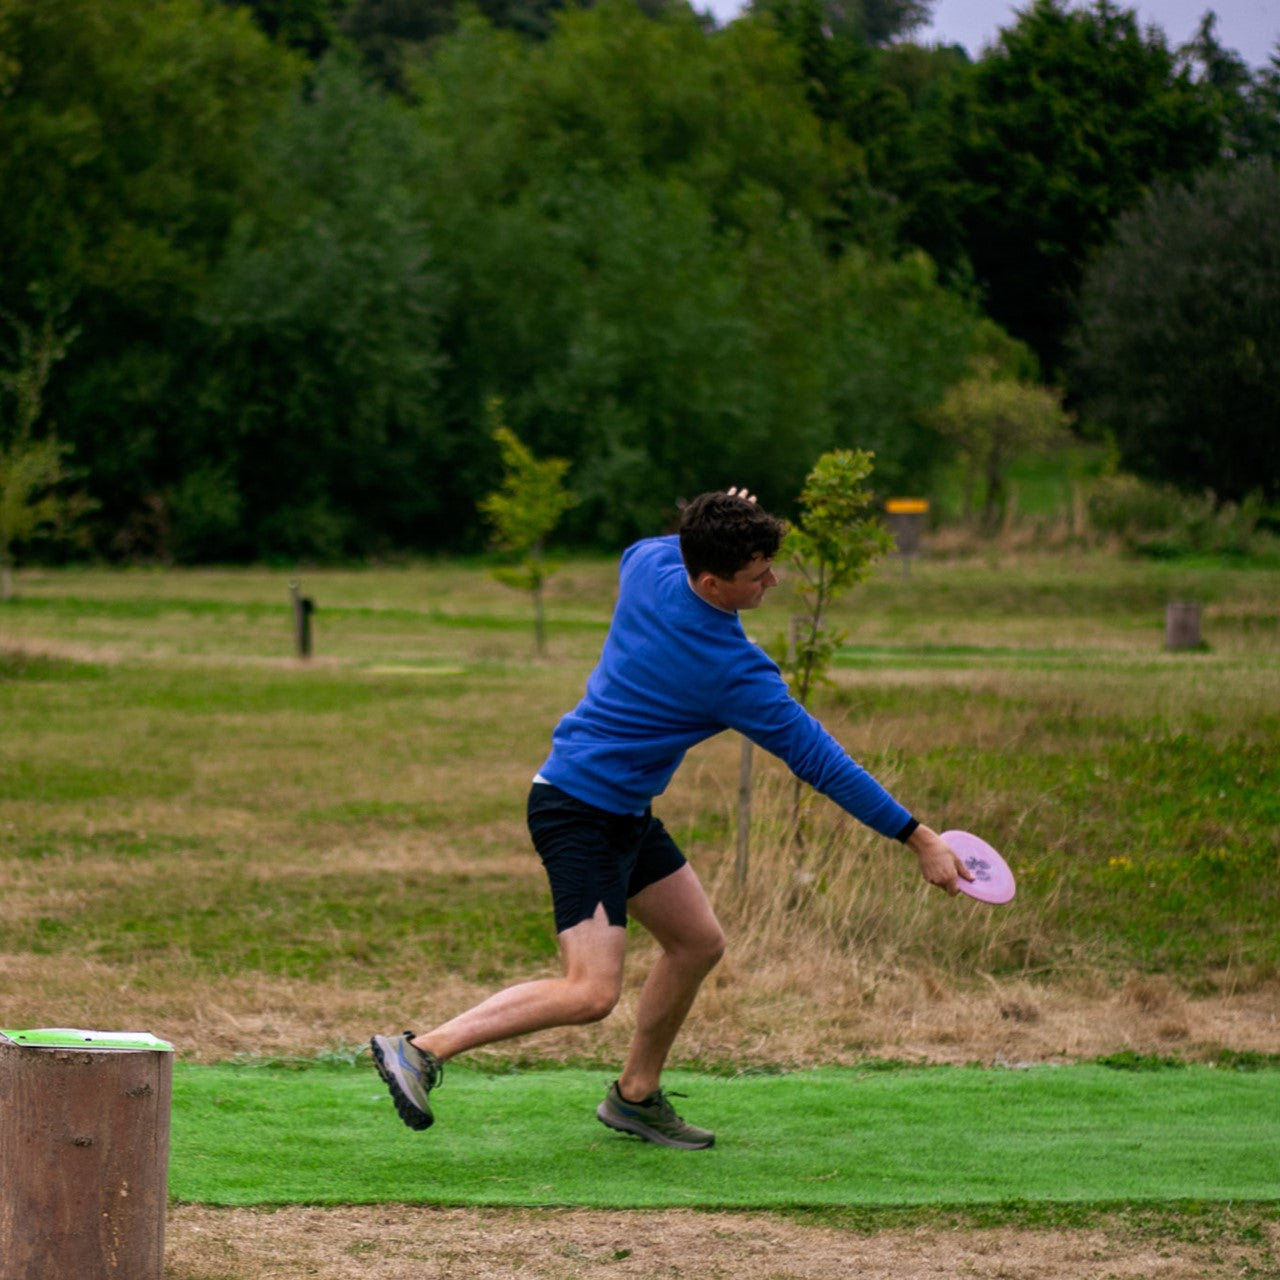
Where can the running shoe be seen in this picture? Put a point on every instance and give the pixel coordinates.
(654, 1120)
(410, 1073)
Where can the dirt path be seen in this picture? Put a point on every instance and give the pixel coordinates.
(462, 1244)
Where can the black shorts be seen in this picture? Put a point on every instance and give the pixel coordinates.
(593, 856)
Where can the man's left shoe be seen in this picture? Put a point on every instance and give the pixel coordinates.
(410, 1074)
(654, 1120)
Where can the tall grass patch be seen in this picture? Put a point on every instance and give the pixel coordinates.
(1138, 841)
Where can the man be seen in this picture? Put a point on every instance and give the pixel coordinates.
(676, 668)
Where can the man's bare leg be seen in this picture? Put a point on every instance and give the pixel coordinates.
(591, 954)
(677, 912)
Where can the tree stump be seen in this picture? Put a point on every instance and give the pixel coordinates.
(84, 1162)
(1182, 624)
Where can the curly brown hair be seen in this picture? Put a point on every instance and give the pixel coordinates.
(721, 533)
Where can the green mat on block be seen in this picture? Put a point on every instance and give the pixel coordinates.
(955, 1136)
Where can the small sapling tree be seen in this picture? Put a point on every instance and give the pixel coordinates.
(831, 547)
(32, 467)
(522, 511)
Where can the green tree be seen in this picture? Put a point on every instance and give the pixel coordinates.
(523, 511)
(900, 340)
(126, 138)
(1069, 119)
(644, 272)
(123, 140)
(909, 126)
(840, 71)
(1178, 353)
(317, 431)
(394, 35)
(604, 245)
(33, 471)
(879, 21)
(310, 26)
(991, 420)
(864, 22)
(1247, 101)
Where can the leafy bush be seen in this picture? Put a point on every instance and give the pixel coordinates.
(1159, 520)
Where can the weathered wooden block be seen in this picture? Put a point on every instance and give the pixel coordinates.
(84, 1156)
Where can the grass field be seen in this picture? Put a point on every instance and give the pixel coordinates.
(251, 855)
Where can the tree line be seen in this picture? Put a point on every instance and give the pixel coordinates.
(270, 264)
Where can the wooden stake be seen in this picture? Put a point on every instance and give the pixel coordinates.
(744, 815)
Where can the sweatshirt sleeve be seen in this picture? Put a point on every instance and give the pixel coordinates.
(759, 705)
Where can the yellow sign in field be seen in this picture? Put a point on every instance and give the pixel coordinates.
(907, 506)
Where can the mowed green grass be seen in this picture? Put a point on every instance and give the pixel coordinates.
(1085, 1135)
(181, 798)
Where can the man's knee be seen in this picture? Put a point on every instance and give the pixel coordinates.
(703, 950)
(595, 1000)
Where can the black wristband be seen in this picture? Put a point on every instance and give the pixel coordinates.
(908, 831)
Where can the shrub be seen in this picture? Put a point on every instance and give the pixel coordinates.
(1160, 521)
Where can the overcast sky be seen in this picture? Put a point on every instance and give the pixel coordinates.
(1250, 27)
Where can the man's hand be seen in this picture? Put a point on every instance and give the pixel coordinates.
(742, 493)
(939, 863)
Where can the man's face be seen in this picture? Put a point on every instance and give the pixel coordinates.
(745, 590)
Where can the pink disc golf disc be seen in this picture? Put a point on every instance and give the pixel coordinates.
(992, 880)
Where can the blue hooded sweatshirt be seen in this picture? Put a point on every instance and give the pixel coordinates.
(674, 671)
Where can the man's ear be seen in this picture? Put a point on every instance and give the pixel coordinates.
(707, 585)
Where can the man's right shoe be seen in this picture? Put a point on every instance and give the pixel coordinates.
(410, 1074)
(654, 1120)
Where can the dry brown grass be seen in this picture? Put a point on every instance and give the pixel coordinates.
(465, 1244)
(788, 1012)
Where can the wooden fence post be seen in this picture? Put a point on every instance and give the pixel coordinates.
(84, 1156)
(744, 816)
(303, 608)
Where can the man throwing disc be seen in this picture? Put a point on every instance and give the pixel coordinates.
(676, 668)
